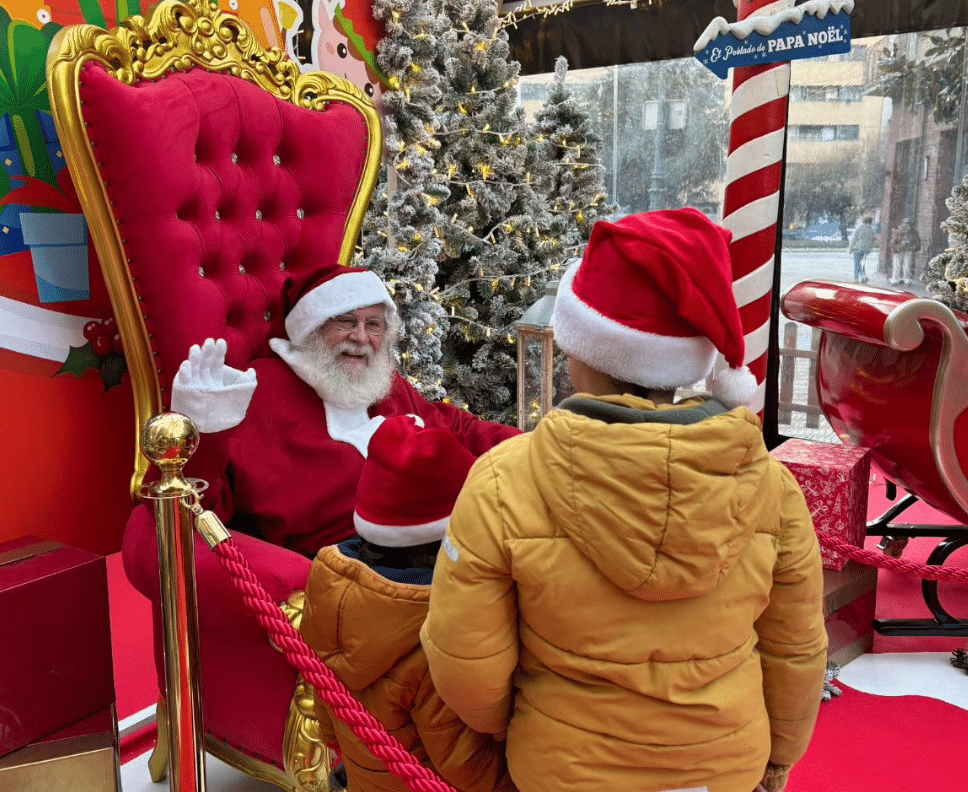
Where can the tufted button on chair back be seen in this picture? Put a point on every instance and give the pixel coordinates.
(212, 173)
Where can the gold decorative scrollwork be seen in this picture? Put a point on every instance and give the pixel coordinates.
(294, 607)
(194, 33)
(307, 758)
(177, 36)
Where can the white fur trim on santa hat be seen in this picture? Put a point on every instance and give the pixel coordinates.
(400, 535)
(734, 387)
(629, 355)
(338, 295)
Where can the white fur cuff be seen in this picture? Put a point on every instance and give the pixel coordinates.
(623, 352)
(401, 535)
(212, 411)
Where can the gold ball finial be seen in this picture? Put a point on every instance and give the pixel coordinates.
(168, 440)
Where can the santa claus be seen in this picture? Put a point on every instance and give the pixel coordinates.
(284, 442)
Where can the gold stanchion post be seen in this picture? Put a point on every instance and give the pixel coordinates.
(168, 440)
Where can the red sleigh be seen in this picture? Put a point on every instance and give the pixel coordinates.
(892, 376)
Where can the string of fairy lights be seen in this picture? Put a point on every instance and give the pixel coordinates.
(529, 8)
(403, 160)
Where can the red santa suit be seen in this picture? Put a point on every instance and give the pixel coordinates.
(284, 466)
(280, 476)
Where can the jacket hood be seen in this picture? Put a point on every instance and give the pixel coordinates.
(362, 622)
(664, 509)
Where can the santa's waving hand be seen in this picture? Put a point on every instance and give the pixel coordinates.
(213, 395)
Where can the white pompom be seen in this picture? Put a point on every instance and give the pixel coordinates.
(734, 387)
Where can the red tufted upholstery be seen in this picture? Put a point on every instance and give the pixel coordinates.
(222, 194)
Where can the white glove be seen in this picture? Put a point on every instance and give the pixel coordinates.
(213, 395)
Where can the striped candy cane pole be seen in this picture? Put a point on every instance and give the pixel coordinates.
(758, 113)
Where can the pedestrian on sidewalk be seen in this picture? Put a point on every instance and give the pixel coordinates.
(905, 242)
(861, 243)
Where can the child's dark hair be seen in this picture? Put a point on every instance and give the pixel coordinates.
(422, 556)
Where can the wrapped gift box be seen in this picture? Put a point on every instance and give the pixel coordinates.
(835, 480)
(849, 600)
(84, 757)
(55, 667)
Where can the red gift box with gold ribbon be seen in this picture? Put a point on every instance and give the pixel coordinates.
(835, 479)
(55, 665)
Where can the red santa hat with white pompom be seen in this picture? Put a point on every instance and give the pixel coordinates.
(651, 303)
(410, 482)
(329, 292)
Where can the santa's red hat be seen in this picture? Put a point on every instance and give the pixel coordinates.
(652, 302)
(410, 481)
(333, 291)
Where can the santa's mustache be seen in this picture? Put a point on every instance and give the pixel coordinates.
(352, 348)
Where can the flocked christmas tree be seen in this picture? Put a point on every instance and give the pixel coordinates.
(946, 275)
(399, 241)
(575, 182)
(574, 186)
(475, 210)
(499, 244)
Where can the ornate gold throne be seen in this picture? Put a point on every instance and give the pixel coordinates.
(212, 172)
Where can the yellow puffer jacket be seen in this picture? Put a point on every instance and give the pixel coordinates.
(365, 627)
(638, 603)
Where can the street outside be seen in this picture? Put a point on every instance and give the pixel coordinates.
(800, 264)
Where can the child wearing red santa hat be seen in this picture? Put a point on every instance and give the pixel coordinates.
(633, 591)
(367, 597)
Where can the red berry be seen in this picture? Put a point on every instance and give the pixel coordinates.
(101, 345)
(116, 345)
(92, 329)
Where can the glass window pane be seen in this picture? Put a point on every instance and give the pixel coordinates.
(665, 126)
(677, 115)
(877, 134)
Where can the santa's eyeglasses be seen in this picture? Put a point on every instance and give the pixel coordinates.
(347, 323)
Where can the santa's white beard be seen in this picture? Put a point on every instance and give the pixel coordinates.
(348, 386)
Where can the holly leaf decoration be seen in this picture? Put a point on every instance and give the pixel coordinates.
(79, 360)
(112, 370)
(110, 367)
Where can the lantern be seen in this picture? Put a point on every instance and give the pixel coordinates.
(536, 359)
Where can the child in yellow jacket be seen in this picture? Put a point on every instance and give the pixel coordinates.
(366, 599)
(633, 590)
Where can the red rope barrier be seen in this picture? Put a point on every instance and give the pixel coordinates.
(383, 745)
(924, 571)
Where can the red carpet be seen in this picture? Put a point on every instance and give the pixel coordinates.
(866, 743)
(899, 596)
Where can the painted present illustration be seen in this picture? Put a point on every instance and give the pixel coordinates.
(56, 235)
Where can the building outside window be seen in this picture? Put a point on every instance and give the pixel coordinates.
(880, 131)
